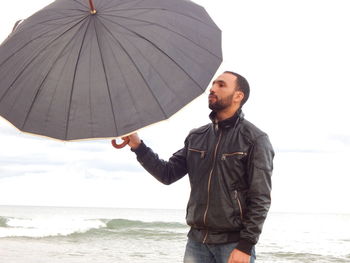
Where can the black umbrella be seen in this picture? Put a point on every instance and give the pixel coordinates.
(74, 70)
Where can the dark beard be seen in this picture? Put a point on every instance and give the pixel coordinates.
(222, 104)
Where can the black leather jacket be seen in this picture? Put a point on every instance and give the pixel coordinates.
(229, 164)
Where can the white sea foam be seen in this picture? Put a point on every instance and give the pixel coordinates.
(48, 226)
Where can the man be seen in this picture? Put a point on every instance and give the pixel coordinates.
(229, 163)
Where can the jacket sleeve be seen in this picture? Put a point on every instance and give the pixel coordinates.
(167, 172)
(260, 166)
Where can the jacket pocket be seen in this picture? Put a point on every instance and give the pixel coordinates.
(233, 154)
(238, 201)
(195, 162)
(234, 166)
(200, 152)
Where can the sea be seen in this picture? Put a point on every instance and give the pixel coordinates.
(31, 234)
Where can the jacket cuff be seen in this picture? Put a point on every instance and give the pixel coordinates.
(141, 150)
(245, 246)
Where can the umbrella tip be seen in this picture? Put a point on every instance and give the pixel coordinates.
(92, 7)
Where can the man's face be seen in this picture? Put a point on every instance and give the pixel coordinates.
(222, 93)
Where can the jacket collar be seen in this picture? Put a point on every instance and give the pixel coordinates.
(229, 122)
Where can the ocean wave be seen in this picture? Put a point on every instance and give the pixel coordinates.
(124, 223)
(123, 228)
(45, 227)
(3, 221)
(87, 228)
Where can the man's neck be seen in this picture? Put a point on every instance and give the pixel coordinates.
(226, 113)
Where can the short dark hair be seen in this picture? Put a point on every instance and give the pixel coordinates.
(242, 85)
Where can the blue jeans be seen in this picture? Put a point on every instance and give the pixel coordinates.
(197, 252)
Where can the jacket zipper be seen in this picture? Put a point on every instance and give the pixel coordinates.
(239, 204)
(223, 158)
(209, 183)
(198, 151)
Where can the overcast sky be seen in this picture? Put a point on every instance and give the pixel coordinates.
(296, 56)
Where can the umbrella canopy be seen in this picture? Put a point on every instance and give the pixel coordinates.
(76, 70)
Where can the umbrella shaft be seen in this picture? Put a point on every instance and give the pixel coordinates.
(92, 7)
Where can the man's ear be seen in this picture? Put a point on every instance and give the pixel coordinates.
(238, 97)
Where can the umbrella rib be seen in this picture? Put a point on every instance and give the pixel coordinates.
(122, 3)
(164, 9)
(160, 76)
(55, 89)
(124, 79)
(41, 84)
(37, 38)
(90, 81)
(24, 68)
(73, 82)
(158, 49)
(81, 4)
(105, 73)
(164, 27)
(61, 18)
(133, 62)
(106, 5)
(166, 84)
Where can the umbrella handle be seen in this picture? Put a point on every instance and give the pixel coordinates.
(122, 145)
